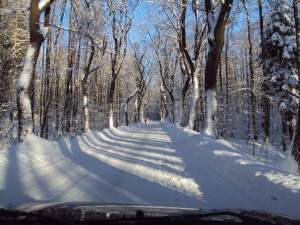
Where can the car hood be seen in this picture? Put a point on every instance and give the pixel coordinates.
(93, 213)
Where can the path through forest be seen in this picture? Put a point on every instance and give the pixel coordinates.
(153, 164)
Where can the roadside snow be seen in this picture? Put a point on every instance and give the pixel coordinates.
(154, 164)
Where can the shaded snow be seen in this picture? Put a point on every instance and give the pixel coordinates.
(153, 164)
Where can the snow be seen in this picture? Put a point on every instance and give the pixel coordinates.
(111, 116)
(155, 164)
(211, 102)
(285, 87)
(43, 3)
(44, 31)
(193, 101)
(212, 24)
(24, 80)
(85, 101)
(276, 37)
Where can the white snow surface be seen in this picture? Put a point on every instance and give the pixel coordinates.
(211, 102)
(24, 80)
(154, 164)
(43, 3)
(44, 31)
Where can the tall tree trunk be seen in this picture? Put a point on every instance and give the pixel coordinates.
(266, 101)
(47, 92)
(193, 100)
(26, 79)
(296, 144)
(69, 88)
(126, 105)
(84, 85)
(216, 28)
(110, 101)
(227, 83)
(252, 75)
(284, 130)
(185, 87)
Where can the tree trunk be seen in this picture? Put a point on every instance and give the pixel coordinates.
(84, 86)
(110, 101)
(185, 87)
(25, 82)
(47, 92)
(296, 144)
(284, 130)
(126, 105)
(216, 28)
(252, 75)
(193, 101)
(69, 88)
(266, 102)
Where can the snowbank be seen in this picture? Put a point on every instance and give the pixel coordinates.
(274, 189)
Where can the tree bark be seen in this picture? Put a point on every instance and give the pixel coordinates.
(87, 72)
(25, 82)
(296, 144)
(126, 105)
(266, 102)
(216, 28)
(252, 75)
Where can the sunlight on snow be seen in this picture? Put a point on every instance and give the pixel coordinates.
(165, 178)
(286, 180)
(3, 166)
(226, 153)
(154, 163)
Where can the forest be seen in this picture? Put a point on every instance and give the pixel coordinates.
(229, 68)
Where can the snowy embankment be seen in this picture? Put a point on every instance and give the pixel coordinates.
(154, 164)
(273, 189)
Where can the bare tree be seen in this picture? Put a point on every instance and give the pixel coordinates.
(120, 21)
(90, 27)
(142, 74)
(25, 82)
(167, 58)
(189, 52)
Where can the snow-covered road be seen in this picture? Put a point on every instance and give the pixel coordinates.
(154, 164)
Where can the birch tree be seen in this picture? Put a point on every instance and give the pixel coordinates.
(25, 82)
